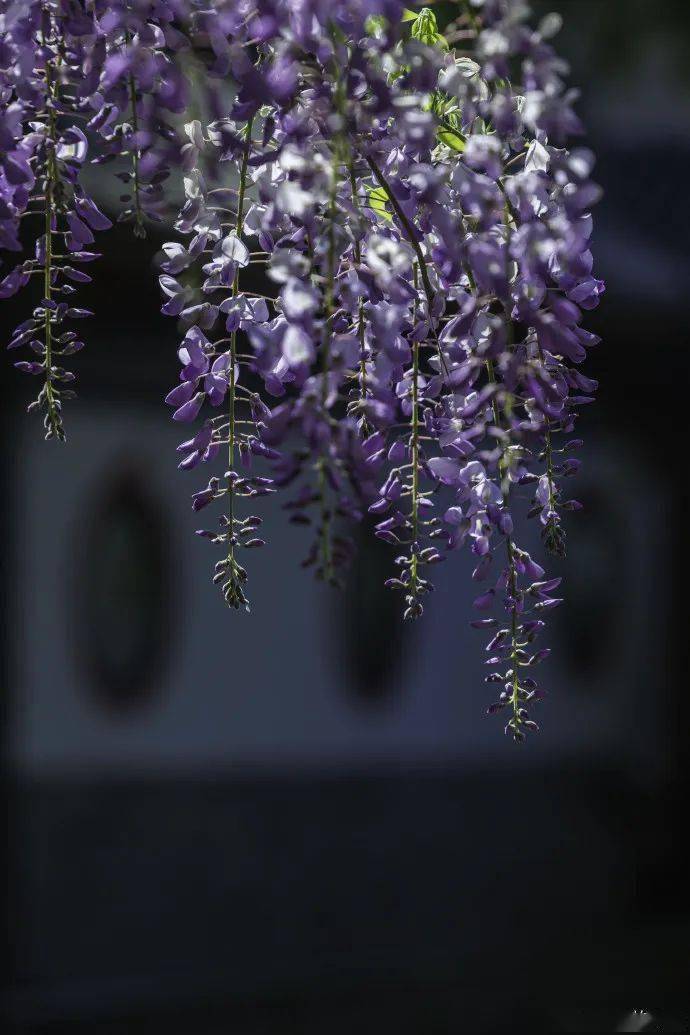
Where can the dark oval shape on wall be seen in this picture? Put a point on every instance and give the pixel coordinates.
(124, 579)
(371, 636)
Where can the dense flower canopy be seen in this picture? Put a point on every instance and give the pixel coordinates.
(423, 235)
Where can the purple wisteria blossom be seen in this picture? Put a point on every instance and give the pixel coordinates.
(379, 271)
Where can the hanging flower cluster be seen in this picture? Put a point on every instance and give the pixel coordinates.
(380, 272)
(43, 51)
(78, 78)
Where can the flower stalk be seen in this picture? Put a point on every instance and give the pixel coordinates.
(235, 574)
(53, 421)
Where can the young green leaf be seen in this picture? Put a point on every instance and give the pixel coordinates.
(425, 29)
(375, 24)
(378, 201)
(452, 140)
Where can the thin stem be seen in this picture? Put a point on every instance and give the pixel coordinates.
(512, 575)
(329, 295)
(514, 658)
(409, 229)
(512, 585)
(233, 345)
(54, 422)
(548, 448)
(139, 228)
(360, 300)
(415, 450)
(411, 234)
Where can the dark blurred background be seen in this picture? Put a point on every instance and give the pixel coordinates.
(301, 820)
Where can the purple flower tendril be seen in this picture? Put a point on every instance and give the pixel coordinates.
(44, 46)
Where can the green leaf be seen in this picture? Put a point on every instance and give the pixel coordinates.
(409, 16)
(425, 29)
(378, 199)
(374, 24)
(452, 140)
